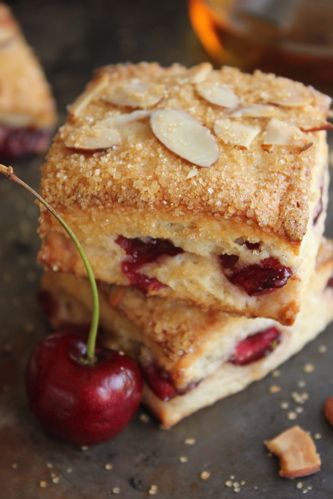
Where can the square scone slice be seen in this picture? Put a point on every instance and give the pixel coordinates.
(27, 109)
(191, 358)
(197, 184)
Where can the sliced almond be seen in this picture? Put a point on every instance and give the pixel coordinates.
(88, 95)
(104, 133)
(294, 98)
(233, 132)
(281, 133)
(218, 94)
(92, 138)
(296, 451)
(199, 73)
(254, 111)
(185, 136)
(134, 93)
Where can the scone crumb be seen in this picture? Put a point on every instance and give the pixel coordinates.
(55, 479)
(299, 485)
(275, 389)
(292, 415)
(300, 398)
(322, 349)
(49, 465)
(308, 368)
(317, 436)
(284, 405)
(205, 475)
(190, 441)
(108, 466)
(43, 484)
(144, 418)
(84, 448)
(69, 470)
(116, 490)
(153, 489)
(183, 459)
(276, 373)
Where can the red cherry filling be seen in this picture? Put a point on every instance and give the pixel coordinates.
(252, 246)
(140, 252)
(159, 381)
(79, 402)
(16, 142)
(256, 346)
(256, 279)
(330, 283)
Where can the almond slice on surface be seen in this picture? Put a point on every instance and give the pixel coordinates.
(293, 98)
(105, 133)
(199, 73)
(281, 133)
(296, 451)
(134, 93)
(233, 132)
(254, 111)
(92, 138)
(218, 94)
(185, 136)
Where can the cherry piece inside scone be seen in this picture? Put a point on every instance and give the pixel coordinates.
(27, 109)
(193, 166)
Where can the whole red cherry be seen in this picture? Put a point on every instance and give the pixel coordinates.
(77, 401)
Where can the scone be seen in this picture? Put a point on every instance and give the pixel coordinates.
(190, 358)
(197, 184)
(27, 110)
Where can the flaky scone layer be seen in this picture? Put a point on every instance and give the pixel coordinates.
(192, 346)
(25, 97)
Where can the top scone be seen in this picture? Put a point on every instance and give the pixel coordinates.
(201, 184)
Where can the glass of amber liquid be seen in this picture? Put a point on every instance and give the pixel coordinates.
(288, 37)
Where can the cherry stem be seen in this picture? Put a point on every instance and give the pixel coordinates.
(91, 343)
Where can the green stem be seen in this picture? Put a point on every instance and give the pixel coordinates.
(91, 343)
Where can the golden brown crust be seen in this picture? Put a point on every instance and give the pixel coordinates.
(270, 190)
(25, 96)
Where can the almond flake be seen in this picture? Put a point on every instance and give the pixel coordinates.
(92, 138)
(199, 73)
(292, 99)
(104, 133)
(88, 95)
(135, 93)
(254, 111)
(232, 132)
(218, 94)
(296, 451)
(185, 136)
(281, 133)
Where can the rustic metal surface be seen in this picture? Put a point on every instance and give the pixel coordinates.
(71, 41)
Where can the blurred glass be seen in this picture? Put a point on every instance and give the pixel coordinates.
(289, 37)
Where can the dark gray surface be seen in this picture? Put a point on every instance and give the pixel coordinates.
(71, 41)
